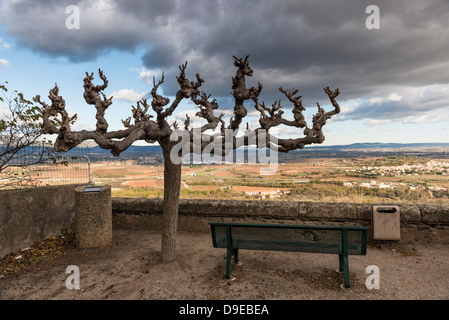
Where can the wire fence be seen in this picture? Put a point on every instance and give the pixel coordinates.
(66, 168)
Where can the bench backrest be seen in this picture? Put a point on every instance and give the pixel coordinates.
(305, 238)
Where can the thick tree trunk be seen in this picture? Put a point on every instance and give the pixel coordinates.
(172, 185)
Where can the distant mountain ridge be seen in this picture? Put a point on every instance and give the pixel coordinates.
(381, 145)
(156, 149)
(153, 153)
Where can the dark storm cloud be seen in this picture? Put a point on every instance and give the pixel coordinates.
(41, 26)
(302, 44)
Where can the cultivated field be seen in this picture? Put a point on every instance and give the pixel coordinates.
(331, 179)
(387, 179)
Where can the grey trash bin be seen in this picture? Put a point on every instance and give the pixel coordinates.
(93, 216)
(386, 223)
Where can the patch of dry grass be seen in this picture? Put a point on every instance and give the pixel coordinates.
(44, 250)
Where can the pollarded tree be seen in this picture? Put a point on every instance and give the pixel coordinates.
(141, 126)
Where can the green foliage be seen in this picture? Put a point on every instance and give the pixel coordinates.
(21, 139)
(316, 191)
(23, 112)
(138, 193)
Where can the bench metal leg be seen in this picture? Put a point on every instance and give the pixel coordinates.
(344, 267)
(346, 262)
(230, 253)
(344, 257)
(341, 263)
(228, 264)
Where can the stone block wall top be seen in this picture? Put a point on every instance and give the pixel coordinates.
(432, 214)
(339, 212)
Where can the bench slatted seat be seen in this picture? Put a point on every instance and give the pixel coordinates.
(341, 240)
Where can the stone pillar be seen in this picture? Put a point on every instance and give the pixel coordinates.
(93, 218)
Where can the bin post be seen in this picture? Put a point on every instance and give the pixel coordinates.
(93, 216)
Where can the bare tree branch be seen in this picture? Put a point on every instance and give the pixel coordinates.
(57, 121)
(241, 93)
(92, 96)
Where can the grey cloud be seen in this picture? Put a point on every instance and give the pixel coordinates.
(152, 13)
(302, 44)
(404, 105)
(41, 26)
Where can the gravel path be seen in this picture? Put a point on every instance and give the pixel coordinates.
(130, 269)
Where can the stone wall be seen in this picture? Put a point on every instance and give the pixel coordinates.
(423, 223)
(30, 215)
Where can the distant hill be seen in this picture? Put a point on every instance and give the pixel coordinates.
(156, 149)
(152, 154)
(379, 145)
(368, 146)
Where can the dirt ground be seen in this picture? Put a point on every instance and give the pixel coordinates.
(130, 269)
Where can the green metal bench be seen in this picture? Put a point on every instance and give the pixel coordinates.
(339, 240)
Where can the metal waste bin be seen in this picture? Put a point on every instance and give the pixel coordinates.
(386, 223)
